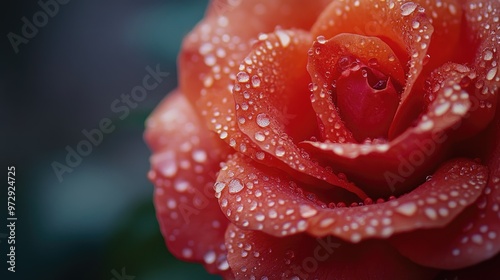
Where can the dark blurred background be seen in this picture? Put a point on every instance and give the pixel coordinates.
(98, 222)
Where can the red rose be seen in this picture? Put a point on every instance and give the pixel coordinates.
(334, 140)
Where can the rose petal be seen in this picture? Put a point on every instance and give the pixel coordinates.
(446, 18)
(269, 92)
(398, 166)
(484, 26)
(472, 237)
(258, 199)
(256, 255)
(212, 52)
(402, 25)
(183, 172)
(323, 66)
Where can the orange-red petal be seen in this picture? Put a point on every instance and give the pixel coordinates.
(473, 236)
(325, 65)
(272, 104)
(183, 169)
(396, 167)
(256, 255)
(256, 199)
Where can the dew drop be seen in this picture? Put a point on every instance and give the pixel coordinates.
(242, 77)
(441, 108)
(426, 125)
(255, 81)
(321, 39)
(223, 265)
(260, 217)
(491, 74)
(263, 120)
(280, 151)
(181, 185)
(210, 60)
(488, 55)
(205, 48)
(307, 211)
(219, 186)
(235, 186)
(259, 136)
(273, 214)
(199, 156)
(283, 37)
(209, 257)
(452, 9)
(260, 155)
(408, 8)
(431, 213)
(187, 253)
(459, 109)
(407, 209)
(169, 169)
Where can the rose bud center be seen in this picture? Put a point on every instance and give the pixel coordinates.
(366, 99)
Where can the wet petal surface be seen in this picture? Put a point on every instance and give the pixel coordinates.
(256, 255)
(271, 94)
(396, 167)
(404, 26)
(473, 236)
(256, 199)
(332, 64)
(183, 171)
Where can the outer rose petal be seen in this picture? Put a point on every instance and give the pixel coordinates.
(259, 199)
(270, 91)
(483, 27)
(256, 255)
(398, 166)
(212, 52)
(472, 237)
(183, 172)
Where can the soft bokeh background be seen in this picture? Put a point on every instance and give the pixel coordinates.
(99, 221)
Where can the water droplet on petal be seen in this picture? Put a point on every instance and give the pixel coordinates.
(209, 257)
(181, 185)
(283, 37)
(408, 8)
(259, 136)
(235, 186)
(263, 120)
(321, 39)
(407, 209)
(219, 186)
(307, 211)
(280, 151)
(242, 77)
(491, 74)
(255, 81)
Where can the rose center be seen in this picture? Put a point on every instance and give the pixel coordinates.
(367, 99)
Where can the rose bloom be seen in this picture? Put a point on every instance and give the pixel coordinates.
(334, 140)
